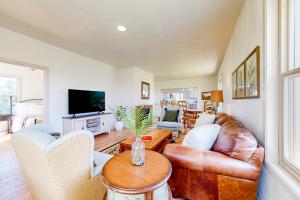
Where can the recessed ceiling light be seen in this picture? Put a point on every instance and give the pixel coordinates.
(175, 73)
(121, 28)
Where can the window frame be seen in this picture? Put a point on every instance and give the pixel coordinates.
(287, 71)
(18, 79)
(287, 125)
(170, 90)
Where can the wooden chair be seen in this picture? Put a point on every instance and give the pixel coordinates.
(183, 105)
(162, 104)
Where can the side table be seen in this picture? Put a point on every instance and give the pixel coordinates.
(7, 118)
(127, 181)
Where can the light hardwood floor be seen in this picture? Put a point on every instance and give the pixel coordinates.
(12, 184)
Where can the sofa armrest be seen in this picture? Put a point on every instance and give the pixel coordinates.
(210, 162)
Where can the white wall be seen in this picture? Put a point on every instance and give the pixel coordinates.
(204, 84)
(140, 76)
(128, 86)
(66, 70)
(125, 86)
(248, 33)
(31, 83)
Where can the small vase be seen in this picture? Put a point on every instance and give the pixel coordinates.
(119, 125)
(138, 152)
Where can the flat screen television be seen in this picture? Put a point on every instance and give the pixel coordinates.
(84, 101)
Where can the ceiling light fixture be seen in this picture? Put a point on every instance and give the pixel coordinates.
(121, 28)
(175, 73)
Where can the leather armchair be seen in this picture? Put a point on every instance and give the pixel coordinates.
(60, 168)
(217, 174)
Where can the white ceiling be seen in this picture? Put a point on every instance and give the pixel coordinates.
(188, 37)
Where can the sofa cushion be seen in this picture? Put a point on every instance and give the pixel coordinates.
(175, 126)
(99, 161)
(171, 115)
(235, 142)
(202, 137)
(36, 137)
(205, 119)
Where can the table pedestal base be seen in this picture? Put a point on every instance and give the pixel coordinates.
(162, 193)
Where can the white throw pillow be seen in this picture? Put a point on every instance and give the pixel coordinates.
(202, 137)
(204, 119)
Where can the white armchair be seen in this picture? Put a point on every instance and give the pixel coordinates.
(61, 169)
(174, 126)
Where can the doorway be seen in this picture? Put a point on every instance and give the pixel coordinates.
(22, 97)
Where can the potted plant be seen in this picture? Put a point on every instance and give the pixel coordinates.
(119, 114)
(138, 120)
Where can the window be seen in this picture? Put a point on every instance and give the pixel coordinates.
(220, 87)
(290, 52)
(8, 94)
(188, 94)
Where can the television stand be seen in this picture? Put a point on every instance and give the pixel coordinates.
(97, 123)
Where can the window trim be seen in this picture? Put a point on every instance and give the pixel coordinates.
(286, 113)
(273, 55)
(287, 71)
(18, 78)
(220, 82)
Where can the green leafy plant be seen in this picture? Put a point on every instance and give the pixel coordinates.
(138, 120)
(118, 112)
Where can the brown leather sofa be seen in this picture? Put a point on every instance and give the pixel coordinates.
(230, 171)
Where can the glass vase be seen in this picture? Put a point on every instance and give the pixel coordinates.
(138, 152)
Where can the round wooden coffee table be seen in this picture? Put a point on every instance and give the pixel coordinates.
(121, 176)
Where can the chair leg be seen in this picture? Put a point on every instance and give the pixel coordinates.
(105, 196)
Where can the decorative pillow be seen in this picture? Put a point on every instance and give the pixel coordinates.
(236, 142)
(205, 119)
(171, 115)
(55, 134)
(202, 137)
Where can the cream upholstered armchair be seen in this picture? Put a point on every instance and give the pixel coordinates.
(60, 169)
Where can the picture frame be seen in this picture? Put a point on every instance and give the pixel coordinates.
(145, 90)
(205, 96)
(234, 87)
(240, 81)
(252, 75)
(246, 78)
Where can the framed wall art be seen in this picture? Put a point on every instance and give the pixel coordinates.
(240, 81)
(252, 76)
(145, 90)
(246, 78)
(205, 95)
(234, 87)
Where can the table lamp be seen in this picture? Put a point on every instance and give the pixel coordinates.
(216, 97)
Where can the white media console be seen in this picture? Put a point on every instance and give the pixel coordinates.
(96, 123)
